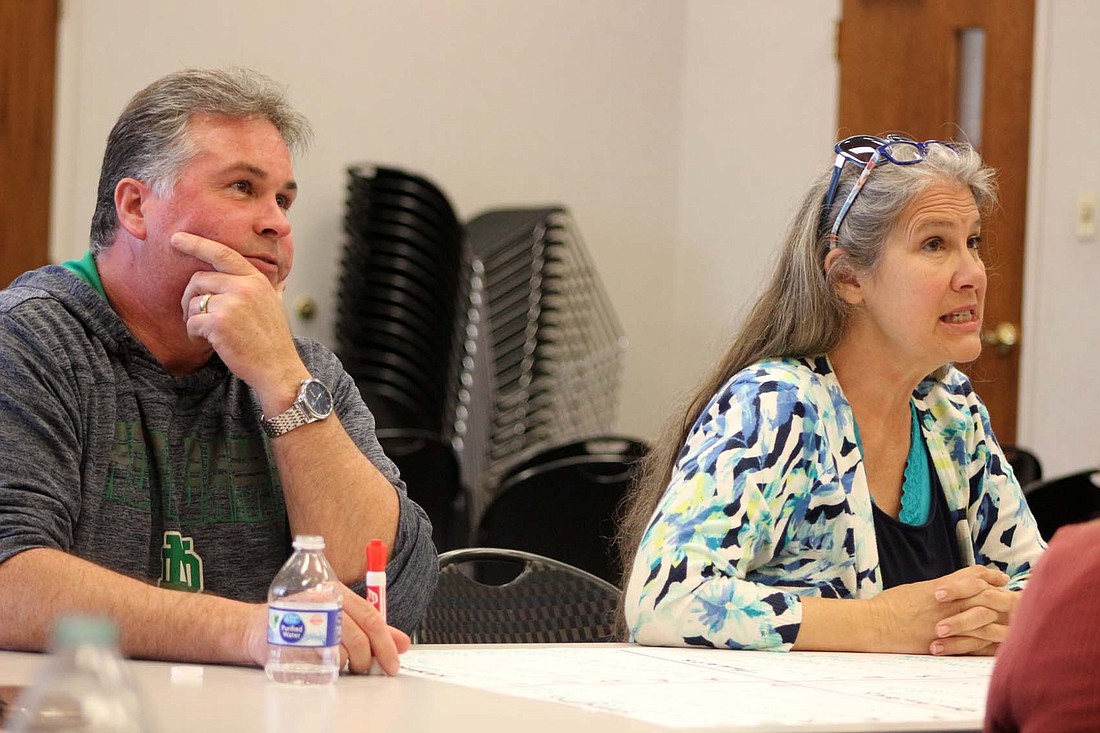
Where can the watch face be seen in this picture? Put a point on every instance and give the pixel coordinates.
(317, 399)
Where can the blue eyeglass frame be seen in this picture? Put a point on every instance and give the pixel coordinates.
(868, 151)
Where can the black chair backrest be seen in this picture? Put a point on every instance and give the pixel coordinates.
(1025, 464)
(429, 468)
(544, 601)
(612, 446)
(1064, 500)
(565, 509)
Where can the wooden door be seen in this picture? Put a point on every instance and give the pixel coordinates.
(900, 71)
(28, 42)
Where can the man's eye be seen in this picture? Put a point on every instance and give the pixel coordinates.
(283, 201)
(934, 245)
(974, 242)
(243, 186)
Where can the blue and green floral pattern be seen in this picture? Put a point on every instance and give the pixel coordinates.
(769, 502)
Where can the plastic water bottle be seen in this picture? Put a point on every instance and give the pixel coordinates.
(85, 686)
(304, 617)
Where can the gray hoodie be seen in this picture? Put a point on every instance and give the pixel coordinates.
(105, 455)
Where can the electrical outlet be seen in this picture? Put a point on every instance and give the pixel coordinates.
(1086, 216)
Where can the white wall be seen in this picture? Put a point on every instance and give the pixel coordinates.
(1060, 384)
(759, 121)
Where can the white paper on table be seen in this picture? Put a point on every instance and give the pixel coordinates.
(687, 688)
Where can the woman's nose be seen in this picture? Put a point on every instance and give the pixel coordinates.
(970, 271)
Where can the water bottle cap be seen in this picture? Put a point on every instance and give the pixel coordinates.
(70, 630)
(309, 542)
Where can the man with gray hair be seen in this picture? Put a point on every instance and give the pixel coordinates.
(164, 434)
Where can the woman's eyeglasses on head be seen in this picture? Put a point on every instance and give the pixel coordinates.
(868, 151)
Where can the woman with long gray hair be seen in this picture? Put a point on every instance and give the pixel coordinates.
(835, 484)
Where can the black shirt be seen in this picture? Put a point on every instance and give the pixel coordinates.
(909, 553)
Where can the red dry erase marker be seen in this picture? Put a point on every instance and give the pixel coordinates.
(376, 575)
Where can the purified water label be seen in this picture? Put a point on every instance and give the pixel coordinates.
(303, 627)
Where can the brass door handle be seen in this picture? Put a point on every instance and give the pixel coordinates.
(1004, 336)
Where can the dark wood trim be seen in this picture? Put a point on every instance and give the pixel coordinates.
(28, 52)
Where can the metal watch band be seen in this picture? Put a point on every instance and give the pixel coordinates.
(282, 423)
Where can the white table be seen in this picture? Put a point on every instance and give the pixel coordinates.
(241, 699)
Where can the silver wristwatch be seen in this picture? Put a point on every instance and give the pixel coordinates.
(314, 403)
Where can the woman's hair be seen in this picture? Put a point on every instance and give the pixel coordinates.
(800, 312)
(151, 141)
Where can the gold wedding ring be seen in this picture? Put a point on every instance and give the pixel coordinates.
(203, 301)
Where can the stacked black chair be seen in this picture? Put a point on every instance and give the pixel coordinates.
(399, 292)
(564, 504)
(542, 601)
(541, 357)
(497, 338)
(398, 296)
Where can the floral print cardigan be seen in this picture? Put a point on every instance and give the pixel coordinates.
(769, 502)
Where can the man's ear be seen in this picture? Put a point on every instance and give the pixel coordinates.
(131, 196)
(847, 285)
